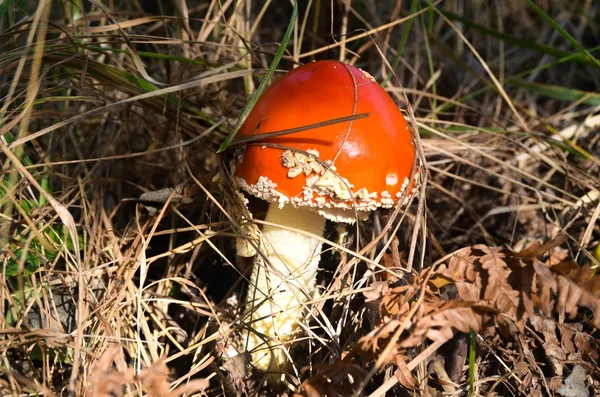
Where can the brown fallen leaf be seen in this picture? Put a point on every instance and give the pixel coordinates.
(106, 382)
(498, 291)
(332, 380)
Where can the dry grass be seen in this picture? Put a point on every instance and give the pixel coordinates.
(108, 291)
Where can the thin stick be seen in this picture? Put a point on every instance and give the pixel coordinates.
(267, 135)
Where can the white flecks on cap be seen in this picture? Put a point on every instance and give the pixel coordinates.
(299, 162)
(410, 194)
(368, 76)
(264, 189)
(333, 196)
(386, 199)
(330, 185)
(391, 179)
(363, 193)
(323, 192)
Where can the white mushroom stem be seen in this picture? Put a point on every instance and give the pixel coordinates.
(281, 287)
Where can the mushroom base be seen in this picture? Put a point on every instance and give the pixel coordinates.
(282, 285)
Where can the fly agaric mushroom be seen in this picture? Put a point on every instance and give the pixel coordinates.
(336, 171)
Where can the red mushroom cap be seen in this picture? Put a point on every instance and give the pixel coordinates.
(361, 164)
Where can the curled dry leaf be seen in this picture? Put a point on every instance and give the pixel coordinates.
(106, 382)
(538, 248)
(519, 287)
(564, 342)
(372, 345)
(403, 374)
(339, 379)
(434, 319)
(397, 301)
(497, 289)
(438, 324)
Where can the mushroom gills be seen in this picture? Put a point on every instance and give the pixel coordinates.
(284, 284)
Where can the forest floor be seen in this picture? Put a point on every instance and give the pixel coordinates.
(119, 269)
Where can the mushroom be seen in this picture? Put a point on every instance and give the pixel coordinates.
(337, 171)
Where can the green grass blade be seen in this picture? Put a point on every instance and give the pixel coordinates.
(563, 32)
(265, 81)
(428, 30)
(403, 40)
(560, 93)
(4, 6)
(512, 79)
(530, 45)
(472, 351)
(155, 55)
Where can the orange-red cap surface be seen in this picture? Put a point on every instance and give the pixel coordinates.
(361, 164)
